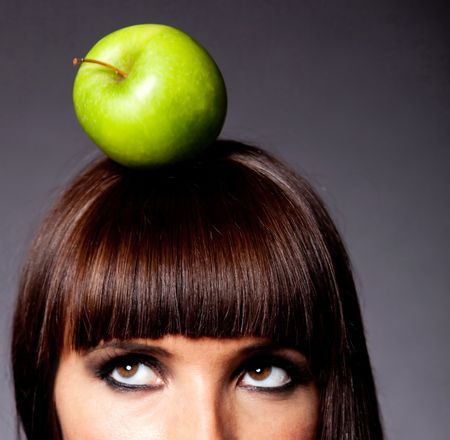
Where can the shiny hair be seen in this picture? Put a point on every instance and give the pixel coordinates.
(232, 243)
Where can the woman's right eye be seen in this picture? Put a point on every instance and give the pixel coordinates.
(134, 374)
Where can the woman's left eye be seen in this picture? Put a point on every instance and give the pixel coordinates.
(135, 374)
(265, 376)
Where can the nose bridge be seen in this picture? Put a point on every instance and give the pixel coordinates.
(207, 411)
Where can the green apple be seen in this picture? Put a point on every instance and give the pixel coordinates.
(149, 95)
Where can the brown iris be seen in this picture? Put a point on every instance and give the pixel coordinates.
(128, 370)
(260, 373)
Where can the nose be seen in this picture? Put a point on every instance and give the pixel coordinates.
(203, 413)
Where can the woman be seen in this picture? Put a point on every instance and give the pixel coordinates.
(207, 300)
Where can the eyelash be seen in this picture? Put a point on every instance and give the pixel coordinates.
(115, 361)
(298, 374)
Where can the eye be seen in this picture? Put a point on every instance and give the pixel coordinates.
(265, 376)
(134, 374)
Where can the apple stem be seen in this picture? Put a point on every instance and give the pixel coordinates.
(117, 71)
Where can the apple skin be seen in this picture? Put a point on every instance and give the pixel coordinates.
(171, 105)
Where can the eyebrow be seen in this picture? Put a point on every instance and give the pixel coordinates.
(260, 347)
(267, 347)
(132, 346)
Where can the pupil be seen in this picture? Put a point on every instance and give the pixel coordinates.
(260, 373)
(127, 370)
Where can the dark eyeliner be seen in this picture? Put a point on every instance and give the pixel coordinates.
(298, 373)
(112, 361)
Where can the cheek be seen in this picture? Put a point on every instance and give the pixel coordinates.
(293, 418)
(87, 410)
(80, 417)
(95, 416)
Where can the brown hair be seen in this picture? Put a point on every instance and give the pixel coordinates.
(231, 243)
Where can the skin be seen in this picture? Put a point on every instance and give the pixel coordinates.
(188, 389)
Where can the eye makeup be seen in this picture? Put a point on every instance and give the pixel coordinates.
(104, 364)
(262, 368)
(291, 373)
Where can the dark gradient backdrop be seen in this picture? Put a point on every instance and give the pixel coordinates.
(355, 94)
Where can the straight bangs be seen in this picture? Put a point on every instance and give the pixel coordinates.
(217, 247)
(229, 244)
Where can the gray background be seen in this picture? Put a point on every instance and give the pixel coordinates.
(354, 94)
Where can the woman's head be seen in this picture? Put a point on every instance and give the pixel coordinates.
(231, 244)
